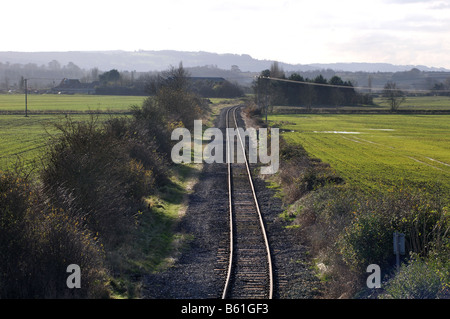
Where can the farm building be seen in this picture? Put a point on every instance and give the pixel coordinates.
(73, 86)
(195, 79)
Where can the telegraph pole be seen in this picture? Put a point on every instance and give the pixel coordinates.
(26, 96)
(267, 97)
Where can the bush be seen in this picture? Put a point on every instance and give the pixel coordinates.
(60, 240)
(149, 123)
(417, 280)
(38, 242)
(227, 89)
(368, 239)
(349, 230)
(181, 106)
(253, 111)
(15, 243)
(174, 102)
(89, 169)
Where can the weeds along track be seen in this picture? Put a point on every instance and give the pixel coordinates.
(249, 274)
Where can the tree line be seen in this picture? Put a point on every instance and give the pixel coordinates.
(441, 88)
(273, 88)
(43, 77)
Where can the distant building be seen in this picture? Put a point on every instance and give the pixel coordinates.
(205, 78)
(74, 86)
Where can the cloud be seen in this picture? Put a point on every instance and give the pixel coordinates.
(408, 1)
(296, 31)
(440, 5)
(432, 4)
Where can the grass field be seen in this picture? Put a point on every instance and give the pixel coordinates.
(411, 104)
(426, 103)
(376, 152)
(66, 103)
(23, 138)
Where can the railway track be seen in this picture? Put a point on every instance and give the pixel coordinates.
(249, 273)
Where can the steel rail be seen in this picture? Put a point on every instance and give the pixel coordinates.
(230, 201)
(230, 206)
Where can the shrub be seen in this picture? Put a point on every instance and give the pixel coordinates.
(38, 242)
(426, 226)
(348, 230)
(174, 102)
(252, 110)
(150, 124)
(416, 280)
(89, 169)
(367, 240)
(61, 240)
(181, 106)
(14, 240)
(143, 147)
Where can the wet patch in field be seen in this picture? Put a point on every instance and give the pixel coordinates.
(337, 132)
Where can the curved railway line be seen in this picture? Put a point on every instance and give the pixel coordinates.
(249, 273)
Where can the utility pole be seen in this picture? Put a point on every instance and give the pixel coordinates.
(267, 105)
(266, 98)
(262, 97)
(258, 93)
(26, 96)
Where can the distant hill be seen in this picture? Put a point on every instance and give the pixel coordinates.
(144, 61)
(46, 69)
(375, 67)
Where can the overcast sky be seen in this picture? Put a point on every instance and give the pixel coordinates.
(292, 31)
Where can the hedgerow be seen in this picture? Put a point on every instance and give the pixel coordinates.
(88, 197)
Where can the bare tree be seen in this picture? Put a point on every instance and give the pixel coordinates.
(393, 95)
(276, 71)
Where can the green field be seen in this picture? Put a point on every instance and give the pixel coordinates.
(67, 103)
(23, 138)
(376, 152)
(426, 103)
(411, 104)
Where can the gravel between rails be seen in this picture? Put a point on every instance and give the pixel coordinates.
(199, 270)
